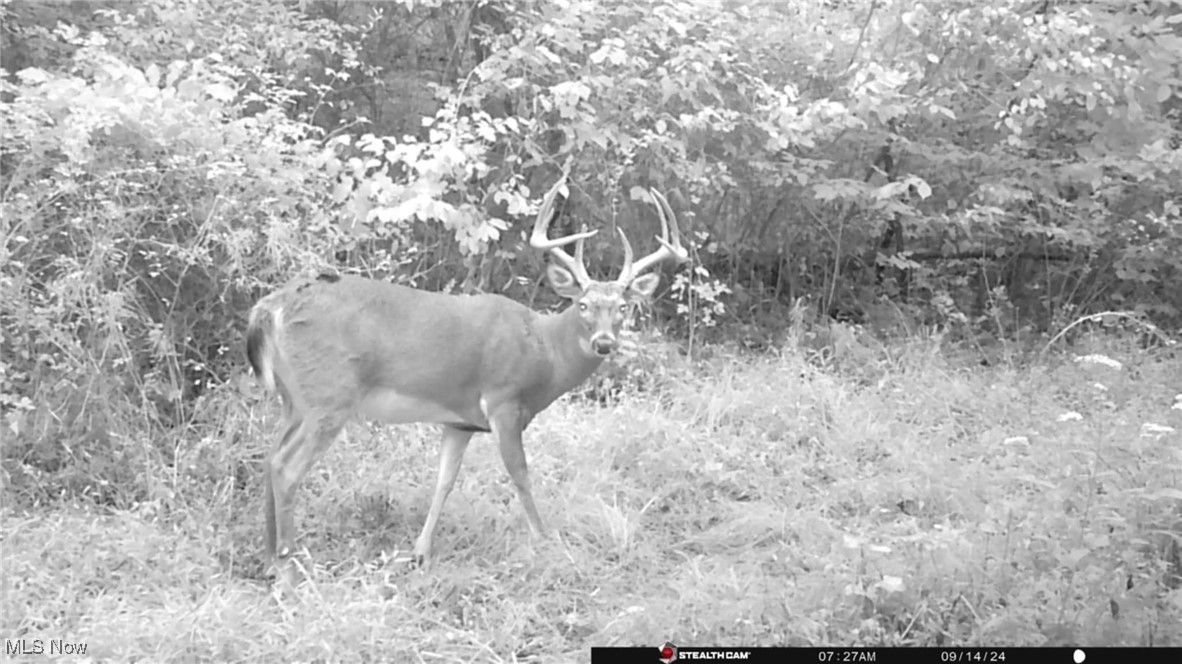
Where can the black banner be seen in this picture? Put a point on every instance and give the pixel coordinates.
(668, 653)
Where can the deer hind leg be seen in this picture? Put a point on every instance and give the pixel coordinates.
(507, 429)
(293, 430)
(305, 440)
(451, 453)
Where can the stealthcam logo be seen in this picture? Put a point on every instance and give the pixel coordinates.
(667, 653)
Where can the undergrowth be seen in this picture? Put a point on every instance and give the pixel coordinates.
(752, 501)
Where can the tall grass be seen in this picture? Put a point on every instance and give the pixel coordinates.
(750, 501)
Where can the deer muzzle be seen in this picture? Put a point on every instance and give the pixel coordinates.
(604, 344)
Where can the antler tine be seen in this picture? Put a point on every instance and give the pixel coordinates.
(579, 247)
(670, 243)
(539, 239)
(626, 271)
(680, 253)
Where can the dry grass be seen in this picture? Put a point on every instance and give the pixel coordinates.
(758, 502)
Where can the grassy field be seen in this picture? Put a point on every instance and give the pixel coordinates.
(744, 501)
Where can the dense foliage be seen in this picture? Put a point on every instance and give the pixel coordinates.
(943, 171)
(995, 167)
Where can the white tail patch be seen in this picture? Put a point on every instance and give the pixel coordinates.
(267, 369)
(269, 344)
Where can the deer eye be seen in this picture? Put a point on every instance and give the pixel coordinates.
(583, 306)
(623, 308)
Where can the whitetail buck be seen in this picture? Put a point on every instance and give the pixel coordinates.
(335, 348)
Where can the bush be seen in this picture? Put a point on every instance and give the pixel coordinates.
(143, 208)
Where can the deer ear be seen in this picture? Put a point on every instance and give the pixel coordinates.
(645, 285)
(563, 282)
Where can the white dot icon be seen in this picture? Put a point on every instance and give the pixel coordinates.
(1078, 656)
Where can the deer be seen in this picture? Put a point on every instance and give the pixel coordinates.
(336, 348)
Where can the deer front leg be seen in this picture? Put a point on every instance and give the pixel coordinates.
(508, 428)
(451, 454)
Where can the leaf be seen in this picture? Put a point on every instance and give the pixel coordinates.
(361, 202)
(947, 112)
(1163, 91)
(175, 70)
(638, 193)
(1135, 112)
(599, 55)
(220, 92)
(33, 76)
(343, 188)
(332, 165)
(567, 95)
(669, 88)
(549, 55)
(828, 190)
(921, 187)
(889, 190)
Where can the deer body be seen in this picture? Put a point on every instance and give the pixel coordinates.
(338, 348)
(349, 333)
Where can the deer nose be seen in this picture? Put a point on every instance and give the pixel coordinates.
(603, 345)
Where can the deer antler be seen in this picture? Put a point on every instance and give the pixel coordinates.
(670, 247)
(539, 240)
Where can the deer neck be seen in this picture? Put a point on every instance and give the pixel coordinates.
(572, 363)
